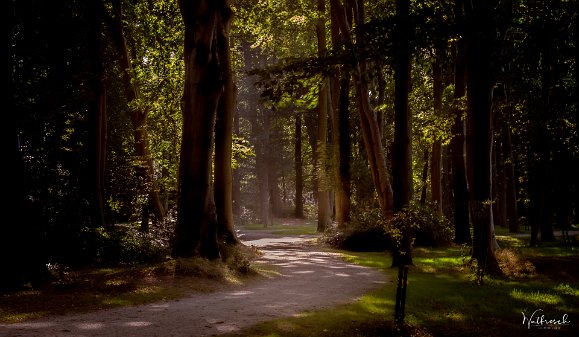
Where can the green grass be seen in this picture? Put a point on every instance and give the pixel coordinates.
(105, 288)
(442, 300)
(307, 227)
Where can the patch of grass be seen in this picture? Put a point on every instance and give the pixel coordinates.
(442, 300)
(104, 288)
(286, 227)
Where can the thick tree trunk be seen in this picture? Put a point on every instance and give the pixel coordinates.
(196, 229)
(459, 182)
(223, 176)
(541, 172)
(298, 167)
(138, 116)
(479, 84)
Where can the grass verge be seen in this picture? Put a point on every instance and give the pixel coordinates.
(105, 288)
(443, 300)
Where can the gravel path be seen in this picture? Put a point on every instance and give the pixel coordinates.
(311, 278)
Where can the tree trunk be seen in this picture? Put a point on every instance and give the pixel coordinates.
(340, 90)
(479, 84)
(298, 166)
(224, 135)
(138, 115)
(368, 123)
(459, 182)
(402, 152)
(98, 140)
(424, 178)
(540, 176)
(436, 164)
(196, 229)
(236, 185)
(510, 182)
(321, 153)
(261, 141)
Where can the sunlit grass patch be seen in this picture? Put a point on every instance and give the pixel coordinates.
(308, 228)
(536, 298)
(507, 241)
(566, 289)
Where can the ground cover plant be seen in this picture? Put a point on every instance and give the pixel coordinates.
(444, 298)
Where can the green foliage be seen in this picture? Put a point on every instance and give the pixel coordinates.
(427, 227)
(120, 245)
(365, 232)
(240, 149)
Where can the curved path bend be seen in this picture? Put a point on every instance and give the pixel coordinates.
(311, 278)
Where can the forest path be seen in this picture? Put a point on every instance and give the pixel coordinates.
(311, 278)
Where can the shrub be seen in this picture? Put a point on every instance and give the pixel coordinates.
(428, 228)
(120, 245)
(365, 232)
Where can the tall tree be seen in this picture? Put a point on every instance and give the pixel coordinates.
(459, 182)
(436, 154)
(138, 115)
(224, 136)
(324, 212)
(98, 139)
(196, 228)
(339, 112)
(368, 122)
(479, 35)
(402, 156)
(298, 167)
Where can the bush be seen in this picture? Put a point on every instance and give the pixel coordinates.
(120, 245)
(428, 228)
(365, 232)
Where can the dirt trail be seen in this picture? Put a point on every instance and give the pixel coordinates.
(311, 278)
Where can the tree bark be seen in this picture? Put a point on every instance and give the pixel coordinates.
(510, 182)
(436, 164)
(298, 167)
(98, 140)
(196, 229)
(459, 182)
(321, 153)
(339, 110)
(223, 176)
(479, 83)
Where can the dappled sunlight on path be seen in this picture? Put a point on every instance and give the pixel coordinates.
(310, 278)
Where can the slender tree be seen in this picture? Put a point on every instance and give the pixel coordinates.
(324, 212)
(138, 115)
(298, 166)
(368, 123)
(436, 153)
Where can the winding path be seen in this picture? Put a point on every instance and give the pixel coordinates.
(311, 279)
